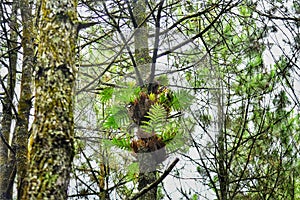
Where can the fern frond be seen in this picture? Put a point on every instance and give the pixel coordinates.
(118, 117)
(182, 99)
(127, 94)
(106, 94)
(120, 114)
(169, 132)
(157, 116)
(179, 142)
(110, 122)
(123, 143)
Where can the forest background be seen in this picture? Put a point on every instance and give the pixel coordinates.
(170, 99)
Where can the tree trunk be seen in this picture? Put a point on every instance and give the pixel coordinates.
(221, 142)
(103, 174)
(147, 171)
(142, 58)
(51, 144)
(147, 174)
(7, 171)
(21, 132)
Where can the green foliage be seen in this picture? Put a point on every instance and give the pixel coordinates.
(157, 116)
(123, 143)
(127, 94)
(163, 80)
(117, 117)
(110, 122)
(160, 193)
(247, 111)
(157, 122)
(297, 180)
(254, 109)
(195, 197)
(182, 99)
(245, 11)
(132, 171)
(169, 132)
(177, 136)
(198, 78)
(106, 94)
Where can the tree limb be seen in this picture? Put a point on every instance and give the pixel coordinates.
(6, 143)
(156, 41)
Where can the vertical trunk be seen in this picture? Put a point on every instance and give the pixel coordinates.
(147, 174)
(104, 166)
(51, 144)
(147, 169)
(103, 173)
(103, 193)
(7, 165)
(21, 131)
(142, 58)
(222, 169)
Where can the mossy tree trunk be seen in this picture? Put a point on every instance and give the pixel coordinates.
(21, 132)
(141, 49)
(147, 169)
(7, 171)
(51, 144)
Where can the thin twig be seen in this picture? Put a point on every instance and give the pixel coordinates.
(216, 19)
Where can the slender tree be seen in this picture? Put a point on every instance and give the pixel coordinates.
(21, 134)
(147, 169)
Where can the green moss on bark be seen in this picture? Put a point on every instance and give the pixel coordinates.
(51, 147)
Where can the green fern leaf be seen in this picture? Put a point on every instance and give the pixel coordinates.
(123, 143)
(170, 131)
(127, 94)
(118, 117)
(182, 99)
(110, 122)
(157, 119)
(106, 94)
(120, 114)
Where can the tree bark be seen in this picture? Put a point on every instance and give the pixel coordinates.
(21, 132)
(147, 174)
(51, 144)
(142, 57)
